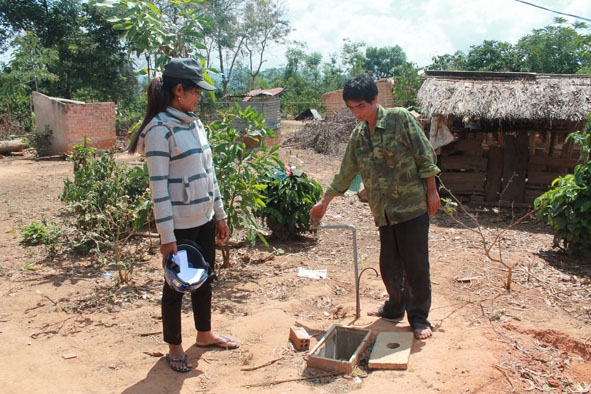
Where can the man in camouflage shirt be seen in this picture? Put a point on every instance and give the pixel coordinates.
(397, 164)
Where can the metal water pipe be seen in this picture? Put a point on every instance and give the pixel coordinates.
(356, 265)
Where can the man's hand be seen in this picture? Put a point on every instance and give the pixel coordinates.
(433, 200)
(318, 211)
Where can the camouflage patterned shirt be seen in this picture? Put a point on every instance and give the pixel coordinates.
(393, 163)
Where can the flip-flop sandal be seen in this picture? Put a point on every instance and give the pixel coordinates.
(221, 344)
(184, 361)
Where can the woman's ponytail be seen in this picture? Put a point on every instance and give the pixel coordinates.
(158, 100)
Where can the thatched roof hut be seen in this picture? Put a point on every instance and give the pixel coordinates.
(497, 97)
(495, 128)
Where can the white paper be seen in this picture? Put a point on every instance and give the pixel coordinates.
(312, 274)
(187, 274)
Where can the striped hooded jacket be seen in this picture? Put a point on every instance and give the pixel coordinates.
(183, 183)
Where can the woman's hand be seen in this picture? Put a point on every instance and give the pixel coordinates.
(166, 250)
(222, 232)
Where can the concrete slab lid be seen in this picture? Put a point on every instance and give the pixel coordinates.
(391, 350)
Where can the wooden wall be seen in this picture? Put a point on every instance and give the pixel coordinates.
(512, 167)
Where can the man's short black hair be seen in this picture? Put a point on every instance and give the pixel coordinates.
(360, 87)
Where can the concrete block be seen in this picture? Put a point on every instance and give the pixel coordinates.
(391, 350)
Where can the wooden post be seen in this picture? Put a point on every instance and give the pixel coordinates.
(494, 174)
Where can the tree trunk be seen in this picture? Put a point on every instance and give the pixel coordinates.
(11, 146)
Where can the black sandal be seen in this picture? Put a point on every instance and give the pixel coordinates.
(184, 361)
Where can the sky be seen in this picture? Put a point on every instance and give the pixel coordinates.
(422, 28)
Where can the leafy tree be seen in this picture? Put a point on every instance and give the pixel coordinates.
(384, 62)
(554, 49)
(239, 169)
(92, 58)
(75, 53)
(159, 32)
(50, 21)
(352, 58)
(241, 81)
(222, 37)
(333, 77)
(26, 71)
(270, 77)
(142, 26)
(298, 79)
(312, 69)
(491, 56)
(265, 24)
(407, 84)
(448, 62)
(241, 30)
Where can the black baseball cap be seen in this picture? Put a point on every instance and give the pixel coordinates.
(187, 68)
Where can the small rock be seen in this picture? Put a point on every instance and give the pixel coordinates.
(553, 383)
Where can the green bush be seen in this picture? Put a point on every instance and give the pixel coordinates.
(567, 206)
(40, 140)
(107, 200)
(238, 168)
(289, 196)
(44, 233)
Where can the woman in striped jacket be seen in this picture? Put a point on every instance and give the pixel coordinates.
(185, 194)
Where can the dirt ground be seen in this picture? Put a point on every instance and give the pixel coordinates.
(68, 326)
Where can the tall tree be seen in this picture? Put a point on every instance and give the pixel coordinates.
(333, 77)
(447, 62)
(554, 49)
(90, 58)
(241, 31)
(48, 20)
(25, 72)
(352, 57)
(160, 31)
(491, 56)
(407, 84)
(384, 62)
(265, 24)
(224, 37)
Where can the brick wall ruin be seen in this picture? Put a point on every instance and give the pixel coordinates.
(71, 122)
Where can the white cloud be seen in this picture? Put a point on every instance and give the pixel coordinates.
(422, 28)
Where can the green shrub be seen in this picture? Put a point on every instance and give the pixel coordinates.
(41, 140)
(289, 196)
(238, 168)
(567, 206)
(107, 200)
(45, 233)
(40, 233)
